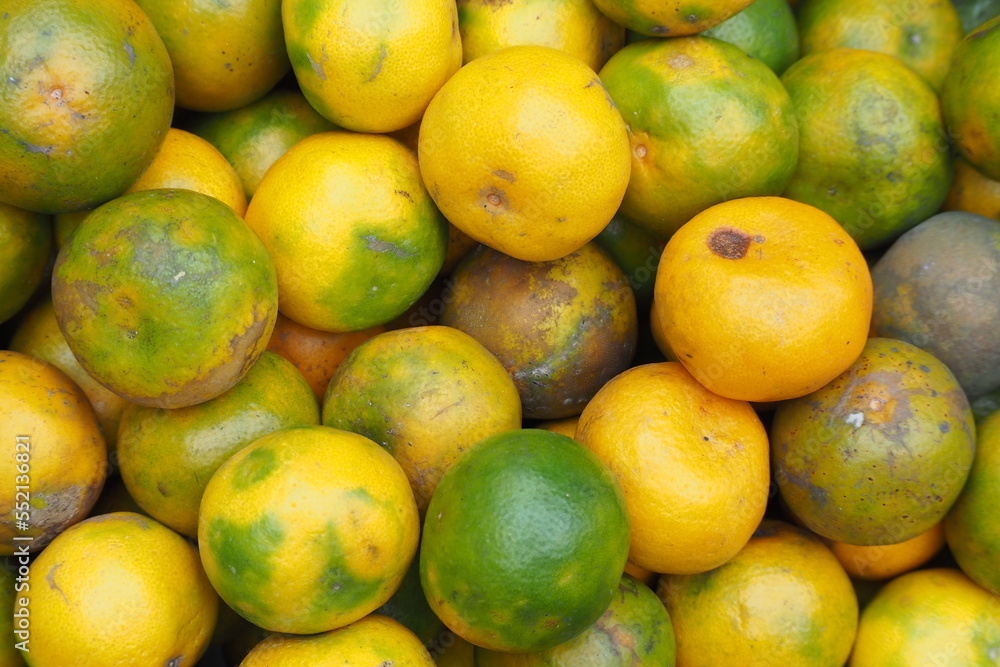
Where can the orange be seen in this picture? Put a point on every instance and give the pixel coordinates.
(524, 151)
(87, 98)
(56, 460)
(750, 291)
(706, 123)
(879, 454)
(121, 589)
(373, 640)
(307, 529)
(316, 354)
(565, 426)
(783, 599)
(38, 335)
(929, 617)
(971, 527)
(669, 18)
(573, 26)
(972, 192)
(634, 630)
(10, 654)
(872, 151)
(166, 297)
(921, 33)
(26, 243)
(188, 161)
(353, 233)
(524, 542)
(970, 106)
(561, 328)
(167, 456)
(885, 561)
(254, 136)
(372, 66)
(766, 30)
(225, 54)
(426, 394)
(693, 465)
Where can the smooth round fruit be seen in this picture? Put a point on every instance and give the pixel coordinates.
(763, 298)
(426, 394)
(87, 98)
(225, 54)
(935, 617)
(573, 26)
(187, 161)
(25, 244)
(634, 630)
(923, 34)
(524, 151)
(783, 599)
(254, 136)
(880, 453)
(766, 30)
(885, 561)
(307, 529)
(972, 192)
(353, 233)
(38, 335)
(971, 527)
(669, 18)
(693, 465)
(166, 297)
(971, 106)
(56, 458)
(561, 328)
(119, 589)
(372, 66)
(524, 542)
(373, 640)
(706, 123)
(936, 288)
(872, 148)
(167, 456)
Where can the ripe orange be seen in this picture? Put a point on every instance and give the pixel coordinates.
(693, 465)
(750, 291)
(783, 599)
(25, 246)
(353, 233)
(973, 192)
(225, 54)
(706, 123)
(885, 561)
(307, 529)
(372, 66)
(87, 98)
(524, 151)
(573, 26)
(873, 151)
(187, 161)
(669, 18)
(524, 542)
(166, 297)
(56, 458)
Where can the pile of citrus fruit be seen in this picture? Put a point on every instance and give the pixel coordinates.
(499, 333)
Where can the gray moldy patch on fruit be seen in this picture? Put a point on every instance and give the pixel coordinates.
(729, 243)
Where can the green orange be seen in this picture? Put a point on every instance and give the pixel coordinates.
(167, 456)
(252, 137)
(307, 529)
(766, 30)
(426, 394)
(166, 297)
(706, 123)
(87, 98)
(880, 453)
(670, 18)
(561, 328)
(524, 543)
(25, 244)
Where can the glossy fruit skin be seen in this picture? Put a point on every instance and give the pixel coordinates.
(880, 453)
(166, 297)
(506, 561)
(106, 89)
(936, 288)
(561, 328)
